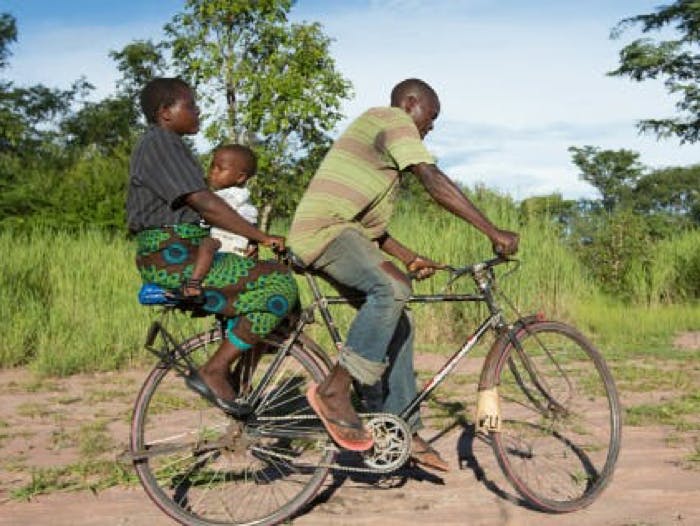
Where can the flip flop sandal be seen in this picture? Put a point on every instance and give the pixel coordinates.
(195, 382)
(332, 425)
(430, 458)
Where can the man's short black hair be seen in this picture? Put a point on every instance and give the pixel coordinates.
(160, 93)
(407, 87)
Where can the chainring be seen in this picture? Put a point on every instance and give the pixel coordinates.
(392, 443)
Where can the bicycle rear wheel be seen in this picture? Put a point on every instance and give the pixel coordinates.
(560, 416)
(202, 467)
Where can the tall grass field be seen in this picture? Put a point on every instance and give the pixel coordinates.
(68, 300)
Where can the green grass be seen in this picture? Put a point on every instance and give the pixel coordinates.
(680, 412)
(94, 475)
(68, 301)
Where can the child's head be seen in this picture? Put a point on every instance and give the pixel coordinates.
(169, 103)
(419, 100)
(231, 165)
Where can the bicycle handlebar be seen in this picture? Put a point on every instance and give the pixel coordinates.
(297, 264)
(478, 267)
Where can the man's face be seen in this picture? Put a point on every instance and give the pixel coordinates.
(424, 109)
(183, 116)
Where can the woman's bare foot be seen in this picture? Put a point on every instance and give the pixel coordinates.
(218, 381)
(215, 373)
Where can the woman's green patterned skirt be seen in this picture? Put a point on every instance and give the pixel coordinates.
(254, 295)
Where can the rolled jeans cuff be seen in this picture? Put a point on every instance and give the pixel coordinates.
(361, 369)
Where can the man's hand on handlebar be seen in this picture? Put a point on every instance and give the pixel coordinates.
(505, 243)
(421, 268)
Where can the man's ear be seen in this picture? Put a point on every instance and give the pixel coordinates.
(408, 103)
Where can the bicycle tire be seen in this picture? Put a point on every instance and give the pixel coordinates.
(559, 441)
(202, 467)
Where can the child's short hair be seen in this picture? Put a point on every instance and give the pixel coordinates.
(243, 151)
(160, 93)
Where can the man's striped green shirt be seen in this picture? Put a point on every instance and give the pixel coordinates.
(355, 185)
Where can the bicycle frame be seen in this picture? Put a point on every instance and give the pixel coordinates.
(322, 302)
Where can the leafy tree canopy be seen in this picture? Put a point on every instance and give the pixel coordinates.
(677, 61)
(261, 81)
(613, 172)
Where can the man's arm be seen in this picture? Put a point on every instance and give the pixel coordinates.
(216, 212)
(422, 267)
(451, 198)
(392, 247)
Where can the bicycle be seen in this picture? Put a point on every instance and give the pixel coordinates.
(547, 401)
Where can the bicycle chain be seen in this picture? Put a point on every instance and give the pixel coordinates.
(332, 447)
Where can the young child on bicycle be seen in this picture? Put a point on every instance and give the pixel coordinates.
(340, 230)
(167, 200)
(232, 165)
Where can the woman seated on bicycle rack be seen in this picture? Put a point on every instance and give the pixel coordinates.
(339, 228)
(167, 199)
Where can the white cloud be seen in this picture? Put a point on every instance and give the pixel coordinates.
(519, 82)
(515, 92)
(58, 55)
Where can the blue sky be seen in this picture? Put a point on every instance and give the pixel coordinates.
(519, 82)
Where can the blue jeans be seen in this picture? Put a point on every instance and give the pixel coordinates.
(381, 335)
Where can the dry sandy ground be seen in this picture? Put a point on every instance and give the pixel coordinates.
(651, 486)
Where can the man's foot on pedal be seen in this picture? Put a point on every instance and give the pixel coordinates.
(344, 426)
(425, 455)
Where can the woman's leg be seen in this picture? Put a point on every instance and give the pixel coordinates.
(215, 372)
(256, 296)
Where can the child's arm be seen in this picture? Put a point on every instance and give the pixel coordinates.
(216, 212)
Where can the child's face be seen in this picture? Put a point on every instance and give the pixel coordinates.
(229, 169)
(182, 117)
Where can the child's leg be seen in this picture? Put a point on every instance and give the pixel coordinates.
(205, 255)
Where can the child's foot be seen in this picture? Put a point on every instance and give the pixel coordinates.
(191, 290)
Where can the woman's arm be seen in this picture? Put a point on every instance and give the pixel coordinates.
(217, 213)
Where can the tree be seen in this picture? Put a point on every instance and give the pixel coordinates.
(676, 60)
(670, 198)
(263, 82)
(613, 172)
(113, 122)
(8, 34)
(553, 207)
(138, 62)
(615, 244)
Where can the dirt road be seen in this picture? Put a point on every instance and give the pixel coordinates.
(52, 422)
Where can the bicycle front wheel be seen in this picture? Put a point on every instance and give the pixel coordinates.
(560, 416)
(202, 467)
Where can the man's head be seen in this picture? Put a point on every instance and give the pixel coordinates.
(232, 165)
(169, 103)
(419, 100)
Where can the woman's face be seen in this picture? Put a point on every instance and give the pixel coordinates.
(182, 117)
